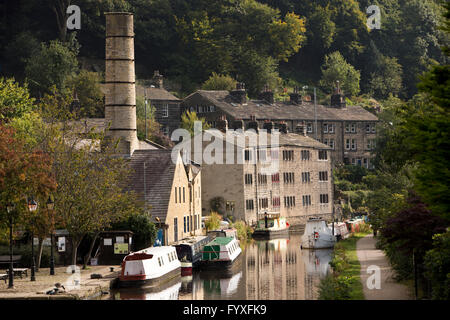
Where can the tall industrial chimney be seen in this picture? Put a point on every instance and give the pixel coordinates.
(120, 96)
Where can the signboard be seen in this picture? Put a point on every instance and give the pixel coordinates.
(120, 239)
(120, 248)
(61, 244)
(107, 242)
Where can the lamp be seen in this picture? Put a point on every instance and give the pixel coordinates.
(32, 206)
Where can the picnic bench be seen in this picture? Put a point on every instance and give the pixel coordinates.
(20, 272)
(3, 276)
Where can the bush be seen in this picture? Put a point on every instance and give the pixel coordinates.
(244, 232)
(334, 288)
(213, 222)
(437, 266)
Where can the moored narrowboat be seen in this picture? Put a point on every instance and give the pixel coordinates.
(189, 251)
(271, 225)
(221, 251)
(149, 267)
(318, 235)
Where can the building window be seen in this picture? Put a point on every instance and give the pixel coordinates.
(175, 229)
(331, 128)
(367, 127)
(229, 206)
(324, 198)
(373, 128)
(347, 144)
(306, 177)
(325, 141)
(371, 144)
(187, 220)
(323, 155)
(323, 175)
(289, 201)
(165, 110)
(275, 178)
(331, 144)
(288, 155)
(353, 144)
(262, 178)
(353, 161)
(263, 203)
(184, 195)
(248, 155)
(249, 204)
(276, 201)
(262, 155)
(353, 127)
(309, 127)
(288, 177)
(248, 178)
(184, 219)
(305, 154)
(306, 200)
(325, 128)
(347, 128)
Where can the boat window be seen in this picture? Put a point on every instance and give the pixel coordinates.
(159, 261)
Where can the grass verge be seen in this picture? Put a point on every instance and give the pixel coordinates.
(345, 281)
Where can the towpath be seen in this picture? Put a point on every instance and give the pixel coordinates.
(368, 255)
(78, 285)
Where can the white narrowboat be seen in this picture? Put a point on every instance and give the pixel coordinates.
(271, 225)
(221, 251)
(150, 267)
(317, 235)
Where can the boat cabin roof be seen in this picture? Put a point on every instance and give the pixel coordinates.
(191, 240)
(157, 251)
(221, 241)
(270, 215)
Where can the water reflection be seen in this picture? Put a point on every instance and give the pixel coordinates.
(275, 269)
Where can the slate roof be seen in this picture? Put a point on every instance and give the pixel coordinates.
(282, 110)
(155, 93)
(159, 174)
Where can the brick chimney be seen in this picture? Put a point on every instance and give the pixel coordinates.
(239, 94)
(238, 124)
(300, 128)
(267, 94)
(222, 123)
(282, 127)
(120, 96)
(157, 79)
(269, 126)
(253, 124)
(338, 99)
(295, 97)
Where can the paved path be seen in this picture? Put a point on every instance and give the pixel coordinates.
(368, 255)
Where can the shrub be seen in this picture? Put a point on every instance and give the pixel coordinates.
(244, 231)
(213, 222)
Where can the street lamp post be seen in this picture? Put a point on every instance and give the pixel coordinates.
(50, 205)
(10, 208)
(32, 206)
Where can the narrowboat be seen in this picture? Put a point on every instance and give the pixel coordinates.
(222, 251)
(271, 225)
(149, 267)
(224, 232)
(189, 251)
(317, 235)
(341, 231)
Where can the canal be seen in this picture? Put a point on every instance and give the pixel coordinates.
(266, 270)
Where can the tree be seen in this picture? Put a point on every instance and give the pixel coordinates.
(219, 82)
(86, 84)
(23, 174)
(15, 100)
(335, 69)
(188, 120)
(53, 65)
(144, 230)
(213, 221)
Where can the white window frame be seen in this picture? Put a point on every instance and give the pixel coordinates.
(165, 110)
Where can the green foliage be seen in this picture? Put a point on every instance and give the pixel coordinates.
(213, 221)
(188, 120)
(87, 86)
(244, 231)
(219, 82)
(15, 100)
(335, 69)
(53, 65)
(144, 231)
(437, 264)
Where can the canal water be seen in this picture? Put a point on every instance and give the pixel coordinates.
(275, 269)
